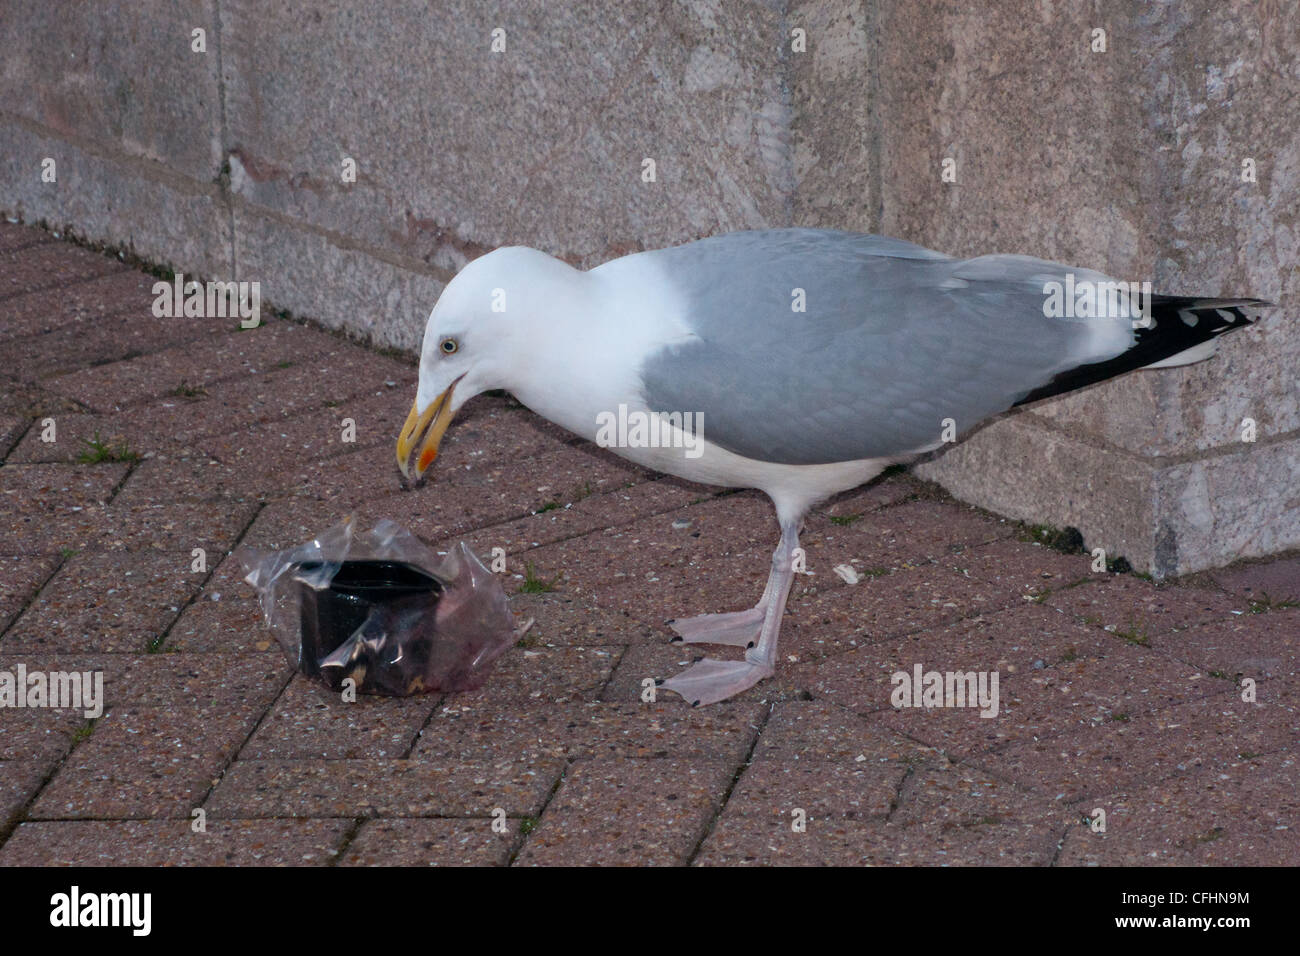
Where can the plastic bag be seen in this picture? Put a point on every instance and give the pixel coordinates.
(384, 609)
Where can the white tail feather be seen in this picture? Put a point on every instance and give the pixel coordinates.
(1197, 353)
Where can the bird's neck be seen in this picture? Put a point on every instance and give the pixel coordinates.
(586, 353)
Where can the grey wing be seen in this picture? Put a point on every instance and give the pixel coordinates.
(894, 339)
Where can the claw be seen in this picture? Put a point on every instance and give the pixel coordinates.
(710, 681)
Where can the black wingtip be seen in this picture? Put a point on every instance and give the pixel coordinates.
(1176, 324)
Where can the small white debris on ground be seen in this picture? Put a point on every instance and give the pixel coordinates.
(847, 573)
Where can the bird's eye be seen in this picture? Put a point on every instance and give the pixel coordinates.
(449, 346)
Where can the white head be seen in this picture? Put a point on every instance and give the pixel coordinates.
(476, 341)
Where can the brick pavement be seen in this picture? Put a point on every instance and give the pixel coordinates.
(1116, 694)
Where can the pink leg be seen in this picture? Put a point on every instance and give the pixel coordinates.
(709, 681)
(735, 628)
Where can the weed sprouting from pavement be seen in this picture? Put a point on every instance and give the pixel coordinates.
(1135, 633)
(99, 451)
(1263, 604)
(535, 585)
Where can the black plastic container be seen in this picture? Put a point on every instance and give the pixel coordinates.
(329, 616)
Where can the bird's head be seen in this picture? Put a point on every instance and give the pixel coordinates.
(472, 343)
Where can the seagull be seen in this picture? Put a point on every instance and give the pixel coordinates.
(801, 362)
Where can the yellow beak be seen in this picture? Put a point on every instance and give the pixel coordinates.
(417, 445)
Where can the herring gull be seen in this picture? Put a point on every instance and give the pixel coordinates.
(801, 362)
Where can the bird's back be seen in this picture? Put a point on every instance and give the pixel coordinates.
(814, 346)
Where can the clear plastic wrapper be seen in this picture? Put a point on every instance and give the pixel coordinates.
(384, 609)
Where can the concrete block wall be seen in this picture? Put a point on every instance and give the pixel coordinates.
(1129, 161)
(228, 163)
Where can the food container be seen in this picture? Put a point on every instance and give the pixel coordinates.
(383, 609)
(328, 616)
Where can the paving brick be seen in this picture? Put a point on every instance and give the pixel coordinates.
(1124, 602)
(154, 843)
(385, 788)
(234, 354)
(485, 432)
(84, 304)
(184, 681)
(162, 479)
(224, 617)
(774, 789)
(475, 497)
(830, 617)
(51, 266)
(628, 812)
(902, 536)
(1244, 814)
(541, 673)
(1273, 580)
(311, 721)
(1251, 645)
(290, 388)
(113, 338)
(1021, 568)
(118, 601)
(945, 793)
(53, 488)
(76, 434)
(367, 476)
(49, 731)
(425, 842)
(562, 621)
(613, 508)
(145, 762)
(257, 463)
(17, 236)
(19, 781)
(188, 682)
(462, 731)
(222, 407)
(655, 575)
(490, 492)
(300, 442)
(21, 575)
(881, 493)
(1039, 703)
(41, 736)
(1200, 735)
(31, 401)
(211, 525)
(288, 522)
(743, 841)
(1021, 636)
(740, 839)
(1113, 690)
(820, 731)
(345, 372)
(175, 425)
(11, 429)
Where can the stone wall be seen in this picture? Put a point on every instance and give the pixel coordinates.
(227, 163)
